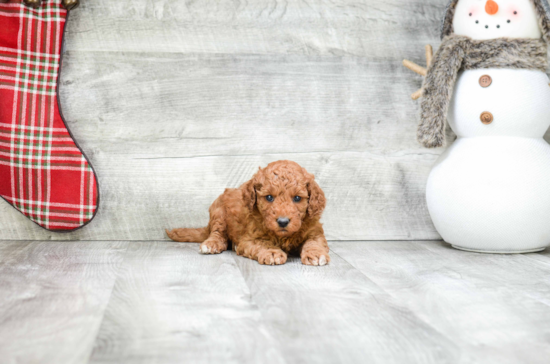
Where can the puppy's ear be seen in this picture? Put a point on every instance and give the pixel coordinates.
(249, 190)
(317, 199)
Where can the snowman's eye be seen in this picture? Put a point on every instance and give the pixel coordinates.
(470, 14)
(515, 13)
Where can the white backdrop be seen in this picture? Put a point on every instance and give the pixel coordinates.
(173, 101)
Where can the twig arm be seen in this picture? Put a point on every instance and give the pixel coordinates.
(417, 94)
(419, 69)
(429, 55)
(415, 68)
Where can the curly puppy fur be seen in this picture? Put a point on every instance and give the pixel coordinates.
(458, 53)
(248, 218)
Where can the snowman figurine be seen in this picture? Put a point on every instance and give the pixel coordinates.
(490, 190)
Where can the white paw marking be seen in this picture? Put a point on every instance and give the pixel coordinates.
(205, 249)
(278, 260)
(315, 262)
(322, 260)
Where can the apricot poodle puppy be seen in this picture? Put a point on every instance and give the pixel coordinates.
(274, 214)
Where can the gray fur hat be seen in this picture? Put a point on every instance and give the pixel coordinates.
(541, 6)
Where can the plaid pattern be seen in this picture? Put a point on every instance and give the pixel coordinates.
(43, 173)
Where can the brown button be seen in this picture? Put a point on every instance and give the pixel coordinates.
(485, 81)
(486, 118)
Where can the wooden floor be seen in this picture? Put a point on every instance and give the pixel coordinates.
(377, 302)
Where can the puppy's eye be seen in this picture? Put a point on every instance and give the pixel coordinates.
(297, 199)
(269, 198)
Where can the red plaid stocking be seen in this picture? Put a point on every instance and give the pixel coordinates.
(43, 173)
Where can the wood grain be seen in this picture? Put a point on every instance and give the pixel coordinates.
(174, 101)
(376, 28)
(377, 302)
(172, 305)
(495, 308)
(52, 298)
(334, 314)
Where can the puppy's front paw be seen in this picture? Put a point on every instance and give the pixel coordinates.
(272, 257)
(211, 246)
(315, 257)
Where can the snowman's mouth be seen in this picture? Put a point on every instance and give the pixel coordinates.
(487, 26)
(497, 26)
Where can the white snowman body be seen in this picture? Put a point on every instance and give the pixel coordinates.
(490, 190)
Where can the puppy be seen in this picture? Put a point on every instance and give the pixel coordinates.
(274, 214)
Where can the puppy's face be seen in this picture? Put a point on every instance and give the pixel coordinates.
(285, 195)
(283, 206)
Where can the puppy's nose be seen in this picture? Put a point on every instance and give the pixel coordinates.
(283, 221)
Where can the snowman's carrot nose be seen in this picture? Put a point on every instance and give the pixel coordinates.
(491, 7)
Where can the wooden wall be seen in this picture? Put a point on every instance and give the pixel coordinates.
(174, 100)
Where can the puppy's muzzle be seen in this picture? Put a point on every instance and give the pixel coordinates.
(283, 221)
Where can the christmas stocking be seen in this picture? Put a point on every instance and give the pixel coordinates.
(43, 172)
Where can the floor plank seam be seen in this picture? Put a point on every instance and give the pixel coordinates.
(398, 302)
(107, 301)
(253, 302)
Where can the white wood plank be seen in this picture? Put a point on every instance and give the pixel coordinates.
(172, 305)
(52, 298)
(334, 314)
(172, 105)
(382, 28)
(495, 308)
(368, 195)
